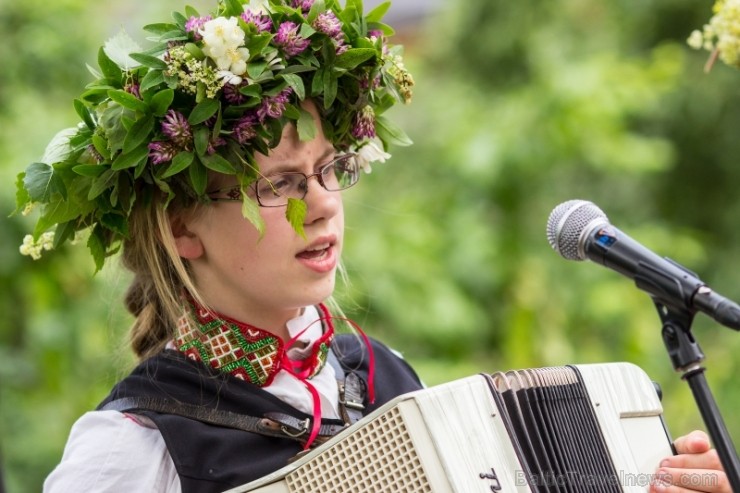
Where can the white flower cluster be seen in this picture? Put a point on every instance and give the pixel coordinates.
(722, 33)
(34, 248)
(190, 71)
(223, 41)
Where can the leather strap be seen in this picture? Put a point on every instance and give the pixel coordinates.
(351, 391)
(272, 424)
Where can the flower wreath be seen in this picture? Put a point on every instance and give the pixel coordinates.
(210, 93)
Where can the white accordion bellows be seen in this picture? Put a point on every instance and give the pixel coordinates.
(577, 428)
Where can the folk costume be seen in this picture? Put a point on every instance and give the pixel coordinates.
(184, 425)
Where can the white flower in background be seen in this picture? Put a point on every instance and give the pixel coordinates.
(696, 40)
(371, 152)
(34, 248)
(258, 7)
(223, 41)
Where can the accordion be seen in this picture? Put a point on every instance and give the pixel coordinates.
(575, 428)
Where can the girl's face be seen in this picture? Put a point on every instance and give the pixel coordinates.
(266, 281)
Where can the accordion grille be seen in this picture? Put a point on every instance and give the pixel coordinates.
(380, 456)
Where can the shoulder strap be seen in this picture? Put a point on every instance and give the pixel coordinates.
(351, 391)
(273, 424)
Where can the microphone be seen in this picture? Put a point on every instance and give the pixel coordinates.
(579, 230)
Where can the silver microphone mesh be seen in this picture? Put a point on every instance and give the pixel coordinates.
(568, 222)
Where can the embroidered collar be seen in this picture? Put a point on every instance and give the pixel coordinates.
(247, 352)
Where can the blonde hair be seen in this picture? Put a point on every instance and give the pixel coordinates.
(160, 276)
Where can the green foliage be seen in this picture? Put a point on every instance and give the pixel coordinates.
(523, 106)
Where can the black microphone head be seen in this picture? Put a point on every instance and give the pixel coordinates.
(568, 222)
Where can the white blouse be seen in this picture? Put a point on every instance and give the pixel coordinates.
(108, 451)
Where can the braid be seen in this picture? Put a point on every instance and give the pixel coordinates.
(160, 276)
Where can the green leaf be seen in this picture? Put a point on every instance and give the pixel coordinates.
(63, 232)
(257, 43)
(102, 183)
(385, 28)
(41, 181)
(391, 133)
(317, 84)
(255, 69)
(152, 79)
(107, 66)
(115, 222)
(160, 28)
(139, 132)
(90, 170)
(202, 137)
(111, 121)
(306, 126)
(253, 90)
(296, 83)
(130, 159)
(295, 213)
(21, 194)
(179, 163)
(161, 102)
(378, 12)
(128, 100)
(195, 50)
(233, 8)
(96, 244)
(198, 177)
(251, 211)
(96, 95)
(101, 145)
(217, 163)
(291, 112)
(354, 56)
(84, 113)
(294, 69)
(203, 111)
(149, 61)
(330, 88)
(316, 8)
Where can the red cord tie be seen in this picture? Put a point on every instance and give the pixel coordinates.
(303, 369)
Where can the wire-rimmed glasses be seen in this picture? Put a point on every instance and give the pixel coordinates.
(275, 190)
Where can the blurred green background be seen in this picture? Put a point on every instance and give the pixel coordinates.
(518, 107)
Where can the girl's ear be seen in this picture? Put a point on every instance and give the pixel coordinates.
(188, 244)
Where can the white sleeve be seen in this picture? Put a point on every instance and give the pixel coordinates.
(109, 451)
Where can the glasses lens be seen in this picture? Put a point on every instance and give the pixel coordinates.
(342, 173)
(277, 189)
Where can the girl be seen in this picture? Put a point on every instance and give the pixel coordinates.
(190, 158)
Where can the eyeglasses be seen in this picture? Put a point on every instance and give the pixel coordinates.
(275, 190)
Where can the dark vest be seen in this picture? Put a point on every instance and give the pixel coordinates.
(213, 458)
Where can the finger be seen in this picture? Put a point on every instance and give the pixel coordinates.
(695, 442)
(705, 460)
(680, 480)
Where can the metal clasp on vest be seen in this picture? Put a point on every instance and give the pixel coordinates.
(352, 404)
(305, 424)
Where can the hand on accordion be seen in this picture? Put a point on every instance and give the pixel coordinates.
(696, 467)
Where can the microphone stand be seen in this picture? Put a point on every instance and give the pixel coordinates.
(686, 356)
